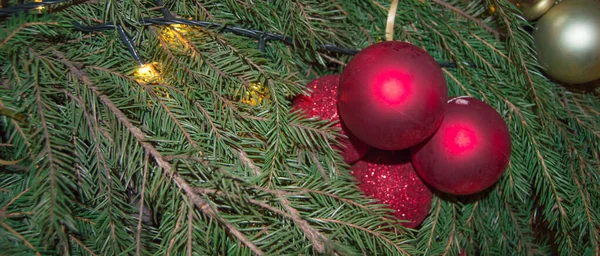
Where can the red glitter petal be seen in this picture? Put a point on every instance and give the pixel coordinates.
(390, 177)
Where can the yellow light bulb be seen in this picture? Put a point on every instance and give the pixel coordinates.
(147, 73)
(179, 27)
(145, 70)
(40, 8)
(256, 94)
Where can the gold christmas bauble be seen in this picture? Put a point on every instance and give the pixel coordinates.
(533, 9)
(567, 40)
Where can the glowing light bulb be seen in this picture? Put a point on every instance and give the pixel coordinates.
(145, 70)
(179, 27)
(40, 8)
(147, 73)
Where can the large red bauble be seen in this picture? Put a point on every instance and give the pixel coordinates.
(392, 95)
(389, 177)
(323, 103)
(469, 152)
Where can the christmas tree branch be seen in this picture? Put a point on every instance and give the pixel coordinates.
(176, 229)
(51, 209)
(15, 233)
(292, 214)
(340, 222)
(78, 242)
(318, 239)
(480, 23)
(159, 101)
(24, 26)
(138, 236)
(200, 203)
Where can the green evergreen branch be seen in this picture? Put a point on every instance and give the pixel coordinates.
(3, 216)
(452, 233)
(318, 240)
(469, 17)
(200, 203)
(529, 248)
(108, 176)
(371, 232)
(111, 207)
(23, 239)
(51, 157)
(175, 230)
(156, 99)
(138, 239)
(85, 248)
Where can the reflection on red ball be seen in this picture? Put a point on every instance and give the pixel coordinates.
(392, 95)
(469, 152)
(323, 103)
(390, 177)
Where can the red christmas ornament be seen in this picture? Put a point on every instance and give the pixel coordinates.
(323, 103)
(392, 95)
(469, 152)
(390, 177)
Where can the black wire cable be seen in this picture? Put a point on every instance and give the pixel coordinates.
(129, 43)
(27, 6)
(164, 10)
(168, 19)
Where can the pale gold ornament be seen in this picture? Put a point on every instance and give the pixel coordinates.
(567, 40)
(533, 9)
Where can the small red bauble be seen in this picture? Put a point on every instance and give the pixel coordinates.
(392, 95)
(469, 152)
(323, 103)
(390, 177)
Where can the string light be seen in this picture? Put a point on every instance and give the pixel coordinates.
(256, 94)
(40, 8)
(180, 27)
(147, 73)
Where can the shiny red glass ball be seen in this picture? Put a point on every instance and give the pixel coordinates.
(323, 103)
(389, 177)
(392, 95)
(469, 152)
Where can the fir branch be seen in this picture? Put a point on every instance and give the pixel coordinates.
(545, 171)
(138, 241)
(389, 242)
(452, 234)
(24, 26)
(581, 188)
(87, 249)
(15, 233)
(318, 240)
(175, 229)
(5, 207)
(53, 163)
(216, 131)
(480, 23)
(322, 170)
(190, 219)
(160, 102)
(248, 162)
(200, 203)
(528, 248)
(292, 214)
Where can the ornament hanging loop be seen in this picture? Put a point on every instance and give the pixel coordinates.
(389, 27)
